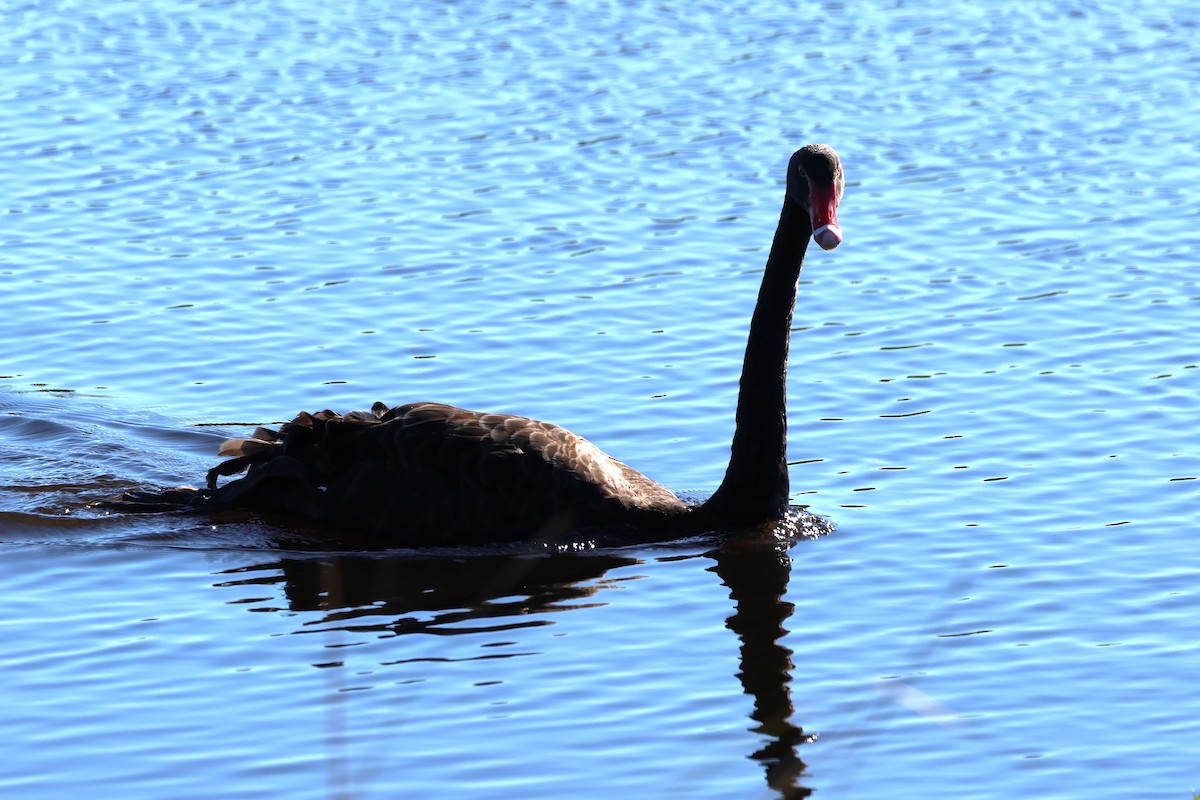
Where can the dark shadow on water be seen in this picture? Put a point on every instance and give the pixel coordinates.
(757, 577)
(400, 594)
(441, 596)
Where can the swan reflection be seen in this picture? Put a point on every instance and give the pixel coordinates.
(393, 595)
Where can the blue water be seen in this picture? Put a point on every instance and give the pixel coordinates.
(218, 214)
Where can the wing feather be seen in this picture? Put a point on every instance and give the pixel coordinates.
(435, 473)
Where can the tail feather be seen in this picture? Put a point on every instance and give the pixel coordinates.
(246, 447)
(155, 500)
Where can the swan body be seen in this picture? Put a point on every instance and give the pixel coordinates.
(431, 473)
(434, 474)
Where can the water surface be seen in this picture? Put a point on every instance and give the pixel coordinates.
(218, 214)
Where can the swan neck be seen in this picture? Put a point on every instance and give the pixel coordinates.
(755, 488)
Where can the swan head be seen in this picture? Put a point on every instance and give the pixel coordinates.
(816, 183)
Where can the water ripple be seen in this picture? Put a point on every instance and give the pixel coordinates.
(218, 215)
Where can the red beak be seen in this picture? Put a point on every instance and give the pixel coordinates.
(822, 210)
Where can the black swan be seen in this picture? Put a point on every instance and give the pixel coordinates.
(433, 474)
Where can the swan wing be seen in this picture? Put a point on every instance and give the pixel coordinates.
(433, 473)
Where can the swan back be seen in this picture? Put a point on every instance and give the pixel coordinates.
(433, 473)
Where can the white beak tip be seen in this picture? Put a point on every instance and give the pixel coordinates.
(828, 236)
